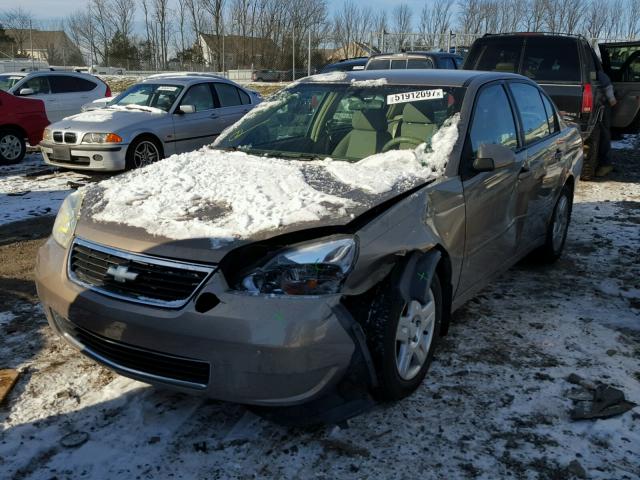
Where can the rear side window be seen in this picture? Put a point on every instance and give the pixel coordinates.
(497, 55)
(532, 112)
(551, 59)
(69, 84)
(552, 119)
(398, 64)
(416, 63)
(493, 121)
(227, 95)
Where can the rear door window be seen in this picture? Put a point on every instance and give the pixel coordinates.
(493, 121)
(497, 55)
(551, 59)
(63, 84)
(417, 63)
(398, 64)
(227, 95)
(532, 113)
(244, 98)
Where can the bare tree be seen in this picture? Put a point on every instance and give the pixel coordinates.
(21, 21)
(352, 24)
(402, 24)
(161, 15)
(435, 23)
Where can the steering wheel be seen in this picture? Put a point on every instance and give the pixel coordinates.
(398, 140)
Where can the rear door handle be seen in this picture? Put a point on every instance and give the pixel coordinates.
(558, 155)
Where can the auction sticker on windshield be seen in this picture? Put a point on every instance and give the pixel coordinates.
(417, 96)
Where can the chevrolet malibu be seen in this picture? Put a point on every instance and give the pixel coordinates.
(156, 118)
(322, 242)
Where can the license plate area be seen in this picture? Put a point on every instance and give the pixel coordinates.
(61, 153)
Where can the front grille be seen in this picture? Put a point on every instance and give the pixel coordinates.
(150, 363)
(135, 277)
(67, 137)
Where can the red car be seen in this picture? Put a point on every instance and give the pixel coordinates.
(21, 120)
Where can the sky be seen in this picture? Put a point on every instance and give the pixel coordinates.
(58, 9)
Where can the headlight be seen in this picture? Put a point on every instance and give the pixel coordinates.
(312, 268)
(101, 138)
(65, 224)
(47, 134)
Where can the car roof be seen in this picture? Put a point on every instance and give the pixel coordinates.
(415, 53)
(431, 77)
(186, 78)
(567, 36)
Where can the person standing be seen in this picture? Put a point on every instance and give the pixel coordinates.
(605, 165)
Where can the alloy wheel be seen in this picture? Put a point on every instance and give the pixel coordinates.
(414, 336)
(10, 147)
(146, 153)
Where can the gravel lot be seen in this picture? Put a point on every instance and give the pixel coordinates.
(495, 403)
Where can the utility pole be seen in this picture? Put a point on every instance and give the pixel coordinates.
(31, 40)
(309, 56)
(293, 52)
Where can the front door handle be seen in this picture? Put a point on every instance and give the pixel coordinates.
(558, 155)
(524, 172)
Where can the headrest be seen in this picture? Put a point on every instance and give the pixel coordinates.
(505, 67)
(413, 113)
(374, 120)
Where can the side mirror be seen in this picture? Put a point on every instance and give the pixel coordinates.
(26, 91)
(493, 157)
(187, 109)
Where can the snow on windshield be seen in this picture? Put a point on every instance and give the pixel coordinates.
(226, 196)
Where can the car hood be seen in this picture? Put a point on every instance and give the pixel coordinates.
(107, 119)
(199, 206)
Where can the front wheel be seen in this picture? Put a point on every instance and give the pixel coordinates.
(12, 147)
(402, 338)
(142, 152)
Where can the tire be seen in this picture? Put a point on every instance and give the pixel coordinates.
(591, 147)
(12, 146)
(141, 147)
(396, 378)
(558, 227)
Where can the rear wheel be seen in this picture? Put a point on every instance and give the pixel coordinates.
(558, 227)
(591, 147)
(12, 146)
(402, 338)
(142, 152)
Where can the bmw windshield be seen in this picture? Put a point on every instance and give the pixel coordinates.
(148, 96)
(343, 121)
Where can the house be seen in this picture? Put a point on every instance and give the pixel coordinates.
(238, 52)
(52, 46)
(352, 50)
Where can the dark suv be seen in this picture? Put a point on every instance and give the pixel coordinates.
(564, 65)
(414, 60)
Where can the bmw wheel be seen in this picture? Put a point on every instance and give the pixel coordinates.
(142, 152)
(558, 227)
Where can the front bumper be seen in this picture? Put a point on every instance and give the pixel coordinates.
(87, 157)
(260, 350)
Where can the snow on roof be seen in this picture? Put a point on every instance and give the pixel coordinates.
(226, 196)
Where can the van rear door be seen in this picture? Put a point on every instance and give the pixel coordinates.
(621, 61)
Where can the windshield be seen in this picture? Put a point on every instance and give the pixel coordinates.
(344, 122)
(152, 95)
(8, 81)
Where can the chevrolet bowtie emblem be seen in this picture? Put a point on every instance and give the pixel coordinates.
(121, 273)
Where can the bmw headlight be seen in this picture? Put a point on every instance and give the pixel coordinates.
(101, 138)
(67, 219)
(47, 134)
(312, 268)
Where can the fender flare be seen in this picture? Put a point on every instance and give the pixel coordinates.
(418, 270)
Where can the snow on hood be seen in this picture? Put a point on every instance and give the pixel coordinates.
(108, 113)
(229, 196)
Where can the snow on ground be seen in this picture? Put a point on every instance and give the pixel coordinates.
(494, 405)
(32, 188)
(627, 142)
